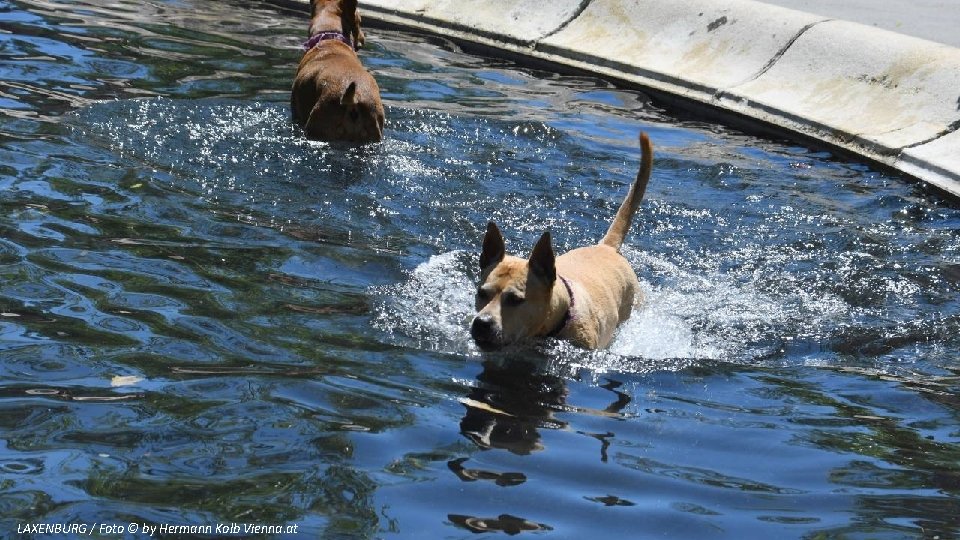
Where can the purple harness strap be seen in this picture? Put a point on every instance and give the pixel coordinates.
(324, 36)
(568, 316)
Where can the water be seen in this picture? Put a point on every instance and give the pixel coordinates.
(205, 318)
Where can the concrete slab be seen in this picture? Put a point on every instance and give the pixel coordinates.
(519, 21)
(937, 162)
(933, 20)
(878, 89)
(889, 98)
(700, 44)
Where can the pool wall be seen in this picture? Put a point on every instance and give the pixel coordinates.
(886, 97)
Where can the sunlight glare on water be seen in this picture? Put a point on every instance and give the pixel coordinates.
(206, 318)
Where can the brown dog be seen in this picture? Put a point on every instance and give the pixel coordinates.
(334, 98)
(597, 289)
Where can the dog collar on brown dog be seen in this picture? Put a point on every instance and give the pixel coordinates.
(568, 316)
(324, 36)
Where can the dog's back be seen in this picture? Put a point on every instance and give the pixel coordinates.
(333, 96)
(607, 292)
(609, 284)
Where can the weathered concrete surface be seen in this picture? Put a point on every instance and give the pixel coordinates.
(933, 20)
(889, 98)
(517, 22)
(701, 44)
(936, 162)
(881, 90)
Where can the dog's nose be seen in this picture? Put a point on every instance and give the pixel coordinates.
(483, 330)
(482, 327)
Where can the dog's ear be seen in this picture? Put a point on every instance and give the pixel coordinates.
(349, 96)
(494, 248)
(349, 22)
(348, 7)
(542, 260)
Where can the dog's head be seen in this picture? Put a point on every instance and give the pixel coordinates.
(347, 13)
(515, 296)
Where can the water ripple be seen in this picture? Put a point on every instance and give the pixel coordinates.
(205, 317)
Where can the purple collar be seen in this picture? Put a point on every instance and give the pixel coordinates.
(568, 316)
(324, 36)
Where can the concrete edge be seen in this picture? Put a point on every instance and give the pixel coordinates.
(886, 98)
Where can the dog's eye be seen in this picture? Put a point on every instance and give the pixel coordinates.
(512, 299)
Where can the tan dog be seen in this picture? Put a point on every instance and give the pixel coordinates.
(581, 296)
(334, 98)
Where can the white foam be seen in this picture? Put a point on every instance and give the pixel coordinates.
(433, 307)
(658, 330)
(684, 317)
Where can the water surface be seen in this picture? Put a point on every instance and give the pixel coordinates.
(206, 318)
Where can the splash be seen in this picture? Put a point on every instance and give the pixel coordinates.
(432, 309)
(685, 317)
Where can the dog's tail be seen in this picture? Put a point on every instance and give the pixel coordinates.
(621, 222)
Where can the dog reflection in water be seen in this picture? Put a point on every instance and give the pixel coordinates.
(512, 401)
(510, 404)
(505, 523)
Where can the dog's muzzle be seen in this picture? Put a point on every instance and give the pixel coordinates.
(485, 332)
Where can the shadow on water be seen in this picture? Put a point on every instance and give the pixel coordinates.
(205, 317)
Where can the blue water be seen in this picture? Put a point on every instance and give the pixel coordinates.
(206, 318)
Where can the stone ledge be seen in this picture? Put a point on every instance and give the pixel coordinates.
(889, 98)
